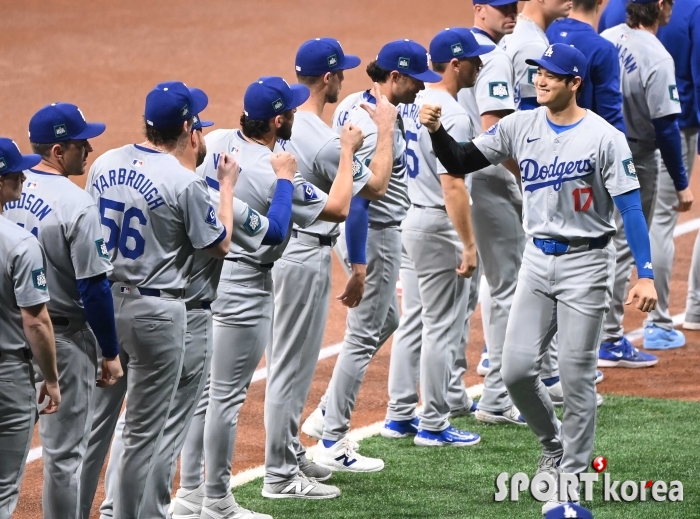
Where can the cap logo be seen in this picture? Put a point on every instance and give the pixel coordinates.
(332, 61)
(81, 113)
(457, 49)
(3, 164)
(60, 130)
(569, 512)
(298, 68)
(277, 105)
(404, 62)
(575, 69)
(185, 111)
(550, 50)
(195, 119)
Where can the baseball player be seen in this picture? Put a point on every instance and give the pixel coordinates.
(156, 212)
(302, 277)
(244, 308)
(25, 331)
(575, 168)
(66, 221)
(651, 105)
(439, 244)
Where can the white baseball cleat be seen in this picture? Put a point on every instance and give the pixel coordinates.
(187, 503)
(299, 487)
(510, 415)
(313, 425)
(342, 456)
(227, 508)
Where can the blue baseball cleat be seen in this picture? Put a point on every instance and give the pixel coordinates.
(400, 428)
(598, 376)
(656, 338)
(621, 354)
(450, 437)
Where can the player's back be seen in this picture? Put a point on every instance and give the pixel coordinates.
(147, 202)
(528, 41)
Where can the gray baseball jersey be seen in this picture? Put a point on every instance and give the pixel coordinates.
(155, 214)
(66, 221)
(528, 41)
(424, 186)
(647, 80)
(256, 186)
(317, 149)
(568, 178)
(22, 281)
(391, 209)
(493, 90)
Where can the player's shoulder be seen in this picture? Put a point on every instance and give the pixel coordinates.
(526, 35)
(308, 125)
(597, 126)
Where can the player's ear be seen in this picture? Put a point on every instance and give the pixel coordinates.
(327, 78)
(454, 65)
(277, 122)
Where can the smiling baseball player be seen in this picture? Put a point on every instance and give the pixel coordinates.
(575, 169)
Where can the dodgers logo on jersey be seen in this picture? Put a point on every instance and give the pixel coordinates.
(309, 192)
(253, 222)
(499, 89)
(557, 171)
(356, 168)
(39, 279)
(102, 248)
(630, 170)
(211, 216)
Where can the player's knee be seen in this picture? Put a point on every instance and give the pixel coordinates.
(514, 373)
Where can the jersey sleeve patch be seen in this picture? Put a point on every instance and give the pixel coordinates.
(499, 89)
(309, 192)
(102, 251)
(492, 130)
(673, 93)
(630, 170)
(356, 168)
(253, 222)
(211, 216)
(39, 279)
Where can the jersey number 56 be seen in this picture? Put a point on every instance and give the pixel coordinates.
(119, 237)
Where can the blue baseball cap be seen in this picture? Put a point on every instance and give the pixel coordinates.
(495, 3)
(408, 57)
(457, 42)
(270, 96)
(172, 103)
(562, 59)
(61, 122)
(569, 511)
(12, 160)
(642, 1)
(318, 56)
(198, 124)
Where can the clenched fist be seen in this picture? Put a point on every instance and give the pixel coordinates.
(429, 116)
(284, 164)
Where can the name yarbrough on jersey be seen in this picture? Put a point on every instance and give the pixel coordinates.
(559, 172)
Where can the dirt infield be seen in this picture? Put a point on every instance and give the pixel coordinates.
(105, 56)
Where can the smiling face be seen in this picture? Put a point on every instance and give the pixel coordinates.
(553, 90)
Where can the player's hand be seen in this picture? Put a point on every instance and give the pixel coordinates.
(227, 171)
(111, 372)
(351, 137)
(284, 164)
(469, 261)
(355, 287)
(644, 293)
(685, 200)
(383, 114)
(51, 391)
(429, 116)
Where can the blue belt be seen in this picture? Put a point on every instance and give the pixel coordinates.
(556, 247)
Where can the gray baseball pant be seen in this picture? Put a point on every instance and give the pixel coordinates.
(661, 231)
(568, 295)
(646, 162)
(17, 418)
(243, 314)
(192, 454)
(369, 325)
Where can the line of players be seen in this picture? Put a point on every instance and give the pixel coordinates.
(371, 159)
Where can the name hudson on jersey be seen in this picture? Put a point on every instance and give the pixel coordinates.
(557, 171)
(134, 180)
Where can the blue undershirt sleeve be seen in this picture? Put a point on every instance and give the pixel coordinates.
(280, 213)
(356, 229)
(606, 87)
(668, 139)
(630, 206)
(528, 103)
(695, 59)
(98, 305)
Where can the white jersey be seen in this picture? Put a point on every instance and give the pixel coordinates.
(256, 187)
(391, 209)
(647, 80)
(22, 282)
(317, 150)
(155, 214)
(424, 186)
(66, 221)
(528, 41)
(569, 178)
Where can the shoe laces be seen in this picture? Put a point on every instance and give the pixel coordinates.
(350, 446)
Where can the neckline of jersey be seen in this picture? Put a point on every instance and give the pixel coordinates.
(38, 172)
(559, 128)
(147, 150)
(481, 31)
(369, 97)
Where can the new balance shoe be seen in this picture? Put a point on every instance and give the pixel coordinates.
(510, 415)
(550, 465)
(313, 425)
(467, 410)
(187, 503)
(400, 428)
(621, 354)
(482, 368)
(449, 437)
(314, 470)
(299, 487)
(656, 338)
(556, 393)
(599, 376)
(343, 457)
(227, 508)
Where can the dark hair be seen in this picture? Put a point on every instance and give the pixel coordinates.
(585, 5)
(165, 137)
(568, 79)
(645, 15)
(44, 149)
(377, 73)
(440, 68)
(254, 128)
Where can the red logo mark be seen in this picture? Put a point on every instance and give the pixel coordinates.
(599, 464)
(648, 484)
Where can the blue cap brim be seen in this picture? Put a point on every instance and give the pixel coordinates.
(300, 93)
(205, 124)
(479, 51)
(91, 131)
(547, 65)
(428, 76)
(28, 161)
(200, 100)
(350, 62)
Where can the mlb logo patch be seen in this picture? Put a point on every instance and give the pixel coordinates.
(60, 130)
(563, 34)
(253, 222)
(278, 105)
(137, 163)
(332, 61)
(185, 111)
(673, 93)
(102, 251)
(234, 149)
(630, 170)
(30, 185)
(457, 49)
(309, 192)
(531, 73)
(3, 164)
(492, 130)
(404, 62)
(211, 216)
(125, 290)
(499, 90)
(624, 37)
(356, 168)
(39, 279)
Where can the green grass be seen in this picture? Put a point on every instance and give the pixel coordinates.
(642, 439)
